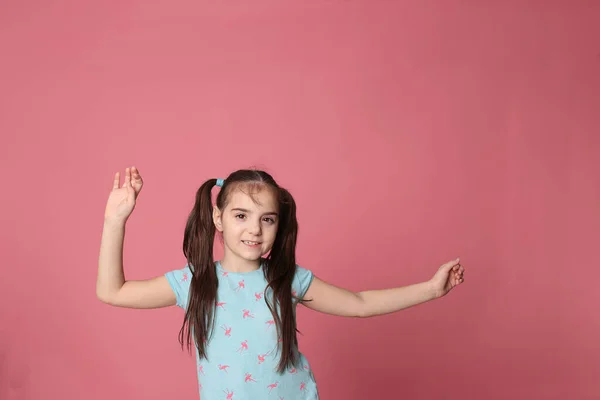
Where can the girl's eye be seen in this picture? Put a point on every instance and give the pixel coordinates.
(268, 219)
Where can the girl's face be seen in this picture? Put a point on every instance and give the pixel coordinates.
(249, 226)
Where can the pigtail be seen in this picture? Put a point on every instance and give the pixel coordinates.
(281, 269)
(198, 243)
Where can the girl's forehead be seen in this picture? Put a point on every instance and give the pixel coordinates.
(253, 197)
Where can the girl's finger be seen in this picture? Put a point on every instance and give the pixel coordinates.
(449, 266)
(116, 180)
(127, 176)
(136, 174)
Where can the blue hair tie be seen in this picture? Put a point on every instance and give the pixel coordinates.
(220, 182)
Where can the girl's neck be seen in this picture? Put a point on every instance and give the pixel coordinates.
(235, 264)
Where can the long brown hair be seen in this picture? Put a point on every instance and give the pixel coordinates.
(279, 265)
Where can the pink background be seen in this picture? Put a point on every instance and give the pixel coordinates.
(410, 133)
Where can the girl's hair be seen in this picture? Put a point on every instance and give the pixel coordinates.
(279, 266)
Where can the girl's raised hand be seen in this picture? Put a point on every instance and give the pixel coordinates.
(121, 200)
(448, 276)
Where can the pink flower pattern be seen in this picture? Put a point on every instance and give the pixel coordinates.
(247, 328)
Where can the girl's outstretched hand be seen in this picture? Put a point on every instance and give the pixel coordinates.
(447, 278)
(121, 200)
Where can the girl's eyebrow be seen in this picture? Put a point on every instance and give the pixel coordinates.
(248, 211)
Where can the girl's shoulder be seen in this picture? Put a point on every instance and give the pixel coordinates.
(179, 280)
(302, 280)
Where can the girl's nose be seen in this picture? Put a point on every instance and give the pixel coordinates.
(255, 228)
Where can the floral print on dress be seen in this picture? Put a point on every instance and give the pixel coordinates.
(243, 357)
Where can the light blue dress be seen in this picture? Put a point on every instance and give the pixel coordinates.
(243, 352)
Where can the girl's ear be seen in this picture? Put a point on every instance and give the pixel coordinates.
(217, 219)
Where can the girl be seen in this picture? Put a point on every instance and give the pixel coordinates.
(240, 311)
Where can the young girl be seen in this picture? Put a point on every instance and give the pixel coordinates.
(240, 311)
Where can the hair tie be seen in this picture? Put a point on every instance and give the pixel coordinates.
(220, 182)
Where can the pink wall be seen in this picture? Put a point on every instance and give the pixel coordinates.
(410, 133)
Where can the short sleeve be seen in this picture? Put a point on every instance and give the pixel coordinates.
(179, 280)
(302, 280)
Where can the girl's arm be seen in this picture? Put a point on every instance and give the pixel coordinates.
(111, 286)
(330, 299)
(324, 297)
